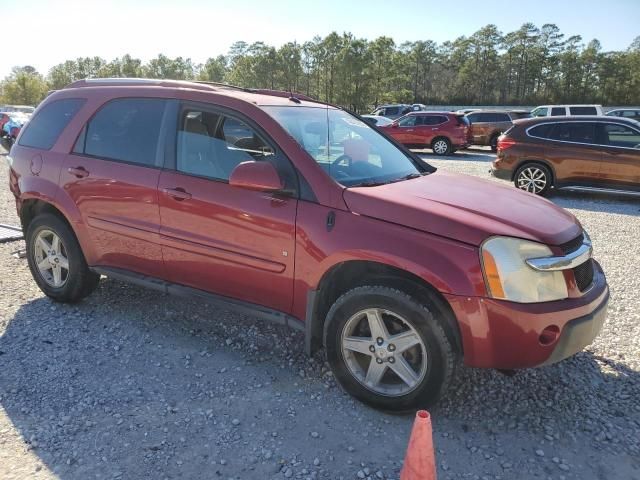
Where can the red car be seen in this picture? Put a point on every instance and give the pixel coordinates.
(304, 215)
(443, 132)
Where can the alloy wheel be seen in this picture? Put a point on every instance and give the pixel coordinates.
(440, 147)
(51, 259)
(384, 352)
(532, 179)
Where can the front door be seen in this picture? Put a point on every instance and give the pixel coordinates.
(226, 240)
(112, 176)
(621, 158)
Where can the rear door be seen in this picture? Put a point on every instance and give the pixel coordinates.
(621, 156)
(112, 176)
(575, 153)
(226, 240)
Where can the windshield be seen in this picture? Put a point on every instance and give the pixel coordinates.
(350, 151)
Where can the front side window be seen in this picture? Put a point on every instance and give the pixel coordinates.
(409, 121)
(126, 130)
(349, 150)
(44, 129)
(621, 136)
(211, 144)
(540, 112)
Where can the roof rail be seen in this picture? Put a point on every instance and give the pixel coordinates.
(132, 82)
(195, 84)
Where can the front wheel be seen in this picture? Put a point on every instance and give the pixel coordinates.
(387, 349)
(56, 261)
(533, 178)
(441, 146)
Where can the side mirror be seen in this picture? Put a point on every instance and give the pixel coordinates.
(252, 175)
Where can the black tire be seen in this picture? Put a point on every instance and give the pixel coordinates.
(493, 142)
(441, 146)
(426, 322)
(537, 170)
(80, 281)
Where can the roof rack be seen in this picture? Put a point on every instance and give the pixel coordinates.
(132, 82)
(194, 84)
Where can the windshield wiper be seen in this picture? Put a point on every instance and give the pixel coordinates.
(369, 183)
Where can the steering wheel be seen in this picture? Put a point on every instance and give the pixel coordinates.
(337, 161)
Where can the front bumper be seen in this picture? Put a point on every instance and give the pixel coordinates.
(507, 335)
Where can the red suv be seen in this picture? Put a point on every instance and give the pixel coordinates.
(443, 132)
(305, 215)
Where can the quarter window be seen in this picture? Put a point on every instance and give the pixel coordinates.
(541, 131)
(621, 136)
(44, 129)
(126, 130)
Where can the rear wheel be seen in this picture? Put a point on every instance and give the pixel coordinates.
(441, 146)
(56, 261)
(534, 178)
(387, 349)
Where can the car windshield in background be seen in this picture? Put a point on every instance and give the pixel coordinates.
(350, 151)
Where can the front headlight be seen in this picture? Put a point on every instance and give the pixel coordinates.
(508, 277)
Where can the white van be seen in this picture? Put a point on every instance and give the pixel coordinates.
(566, 110)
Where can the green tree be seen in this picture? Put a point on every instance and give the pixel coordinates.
(24, 86)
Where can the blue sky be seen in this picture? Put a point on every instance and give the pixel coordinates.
(51, 31)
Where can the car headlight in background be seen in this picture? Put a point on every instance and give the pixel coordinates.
(508, 277)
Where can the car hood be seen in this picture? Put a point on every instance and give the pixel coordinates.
(465, 208)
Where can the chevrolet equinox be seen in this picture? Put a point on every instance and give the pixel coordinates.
(305, 215)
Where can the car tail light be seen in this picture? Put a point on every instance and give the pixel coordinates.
(505, 142)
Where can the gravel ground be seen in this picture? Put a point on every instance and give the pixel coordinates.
(134, 384)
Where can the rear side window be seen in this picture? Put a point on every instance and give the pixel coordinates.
(583, 110)
(44, 129)
(575, 132)
(558, 112)
(541, 131)
(127, 130)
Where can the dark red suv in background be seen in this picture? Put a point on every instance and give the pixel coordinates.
(302, 214)
(443, 132)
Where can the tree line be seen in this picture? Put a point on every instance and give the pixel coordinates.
(526, 67)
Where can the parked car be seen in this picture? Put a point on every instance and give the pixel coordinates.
(401, 270)
(417, 107)
(488, 125)
(377, 120)
(392, 111)
(566, 110)
(443, 132)
(464, 111)
(632, 113)
(27, 109)
(585, 152)
(10, 125)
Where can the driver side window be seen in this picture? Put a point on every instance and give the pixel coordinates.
(211, 144)
(409, 121)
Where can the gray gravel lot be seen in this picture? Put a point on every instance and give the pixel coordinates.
(134, 384)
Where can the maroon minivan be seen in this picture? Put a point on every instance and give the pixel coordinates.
(302, 214)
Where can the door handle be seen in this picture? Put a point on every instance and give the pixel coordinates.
(410, 130)
(177, 193)
(79, 172)
(434, 129)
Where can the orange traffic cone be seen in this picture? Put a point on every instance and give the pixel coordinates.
(420, 462)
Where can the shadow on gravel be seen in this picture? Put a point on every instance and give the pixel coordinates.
(598, 202)
(129, 384)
